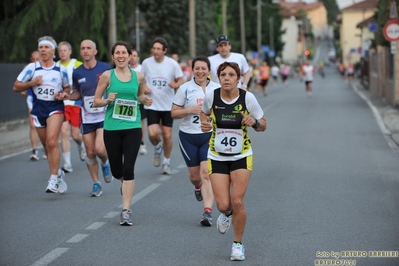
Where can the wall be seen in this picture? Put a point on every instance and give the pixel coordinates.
(13, 104)
(290, 38)
(318, 18)
(350, 35)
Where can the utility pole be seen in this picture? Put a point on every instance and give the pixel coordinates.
(137, 29)
(224, 17)
(271, 38)
(242, 24)
(112, 24)
(259, 34)
(192, 33)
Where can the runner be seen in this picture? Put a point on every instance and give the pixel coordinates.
(223, 47)
(49, 82)
(192, 141)
(307, 71)
(275, 72)
(230, 160)
(85, 80)
(285, 73)
(136, 66)
(35, 56)
(264, 74)
(72, 111)
(122, 130)
(163, 76)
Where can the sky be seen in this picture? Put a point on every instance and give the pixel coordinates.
(341, 3)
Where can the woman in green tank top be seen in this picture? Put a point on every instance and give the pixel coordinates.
(124, 90)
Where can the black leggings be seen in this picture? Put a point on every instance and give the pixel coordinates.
(122, 148)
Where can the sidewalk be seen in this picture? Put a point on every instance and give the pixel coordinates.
(387, 116)
(15, 134)
(14, 137)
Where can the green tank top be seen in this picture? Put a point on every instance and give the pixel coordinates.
(124, 112)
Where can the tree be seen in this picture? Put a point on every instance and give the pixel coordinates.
(332, 10)
(382, 17)
(169, 19)
(24, 21)
(268, 10)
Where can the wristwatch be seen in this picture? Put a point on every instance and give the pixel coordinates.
(257, 124)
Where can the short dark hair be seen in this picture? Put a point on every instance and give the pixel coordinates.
(202, 59)
(121, 43)
(161, 41)
(229, 64)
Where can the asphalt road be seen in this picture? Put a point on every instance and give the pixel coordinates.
(325, 180)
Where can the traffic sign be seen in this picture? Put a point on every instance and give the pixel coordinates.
(391, 31)
(265, 48)
(272, 53)
(393, 13)
(373, 27)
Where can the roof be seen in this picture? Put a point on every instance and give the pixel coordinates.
(289, 9)
(366, 22)
(367, 4)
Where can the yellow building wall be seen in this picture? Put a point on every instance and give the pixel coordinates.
(350, 35)
(318, 18)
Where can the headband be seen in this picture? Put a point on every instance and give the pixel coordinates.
(46, 42)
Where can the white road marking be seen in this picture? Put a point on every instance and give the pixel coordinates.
(77, 238)
(50, 257)
(111, 215)
(95, 225)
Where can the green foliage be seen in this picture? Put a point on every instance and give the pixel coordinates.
(332, 10)
(382, 17)
(24, 21)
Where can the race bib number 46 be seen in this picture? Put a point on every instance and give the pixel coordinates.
(228, 141)
(125, 109)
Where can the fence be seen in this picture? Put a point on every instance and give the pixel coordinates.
(13, 104)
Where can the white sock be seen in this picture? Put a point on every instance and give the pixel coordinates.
(54, 177)
(166, 161)
(67, 157)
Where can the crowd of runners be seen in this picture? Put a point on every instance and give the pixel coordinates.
(107, 110)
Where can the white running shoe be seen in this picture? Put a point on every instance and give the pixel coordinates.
(35, 155)
(223, 223)
(52, 186)
(166, 169)
(237, 252)
(143, 149)
(44, 156)
(62, 185)
(156, 161)
(67, 168)
(106, 168)
(82, 153)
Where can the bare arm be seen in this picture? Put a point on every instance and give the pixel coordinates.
(206, 125)
(180, 112)
(76, 95)
(23, 86)
(247, 76)
(143, 90)
(176, 84)
(101, 86)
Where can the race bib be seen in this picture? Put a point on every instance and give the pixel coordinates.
(125, 109)
(158, 83)
(228, 141)
(45, 93)
(88, 104)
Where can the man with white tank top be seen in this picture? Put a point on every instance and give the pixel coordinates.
(72, 111)
(163, 77)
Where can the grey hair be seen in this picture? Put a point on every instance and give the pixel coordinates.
(48, 38)
(67, 44)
